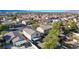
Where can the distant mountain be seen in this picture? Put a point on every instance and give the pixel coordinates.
(74, 11)
(4, 11)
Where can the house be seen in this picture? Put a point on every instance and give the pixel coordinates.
(7, 38)
(2, 20)
(62, 19)
(9, 35)
(17, 41)
(7, 22)
(7, 46)
(27, 45)
(78, 25)
(74, 40)
(25, 22)
(17, 20)
(31, 34)
(50, 20)
(10, 24)
(43, 28)
(75, 20)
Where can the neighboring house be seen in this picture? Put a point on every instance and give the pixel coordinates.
(75, 20)
(8, 37)
(74, 40)
(17, 41)
(26, 46)
(76, 36)
(62, 19)
(78, 25)
(10, 34)
(31, 34)
(10, 24)
(43, 28)
(7, 22)
(7, 46)
(25, 22)
(17, 20)
(51, 20)
(2, 20)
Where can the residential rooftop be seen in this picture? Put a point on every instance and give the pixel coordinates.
(29, 31)
(45, 27)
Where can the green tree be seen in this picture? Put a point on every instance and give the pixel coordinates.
(31, 18)
(35, 25)
(70, 26)
(3, 27)
(51, 40)
(14, 17)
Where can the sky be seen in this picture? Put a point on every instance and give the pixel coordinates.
(32, 10)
